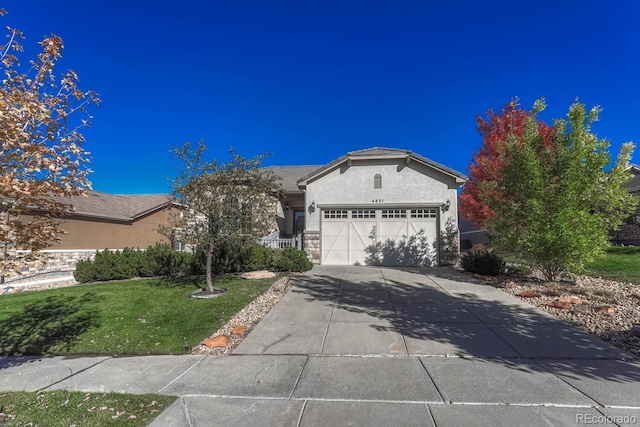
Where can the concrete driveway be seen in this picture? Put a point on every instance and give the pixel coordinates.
(375, 347)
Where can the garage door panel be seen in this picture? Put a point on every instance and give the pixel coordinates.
(360, 240)
(335, 248)
(392, 230)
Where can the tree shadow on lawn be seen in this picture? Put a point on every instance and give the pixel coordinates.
(52, 324)
(467, 317)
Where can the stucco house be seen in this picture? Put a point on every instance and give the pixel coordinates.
(373, 206)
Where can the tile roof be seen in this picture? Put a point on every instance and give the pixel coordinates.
(289, 176)
(114, 206)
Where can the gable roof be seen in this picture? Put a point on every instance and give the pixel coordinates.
(384, 153)
(117, 207)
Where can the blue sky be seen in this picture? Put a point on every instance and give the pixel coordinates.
(309, 81)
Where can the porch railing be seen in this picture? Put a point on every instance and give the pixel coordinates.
(276, 242)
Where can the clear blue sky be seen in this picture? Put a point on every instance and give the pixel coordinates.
(311, 80)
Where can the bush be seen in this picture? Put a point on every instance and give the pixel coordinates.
(159, 260)
(292, 259)
(482, 261)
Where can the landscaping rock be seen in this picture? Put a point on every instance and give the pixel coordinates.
(635, 331)
(606, 309)
(257, 275)
(563, 305)
(238, 330)
(529, 294)
(219, 341)
(571, 300)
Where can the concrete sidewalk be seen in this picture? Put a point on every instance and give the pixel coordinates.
(376, 346)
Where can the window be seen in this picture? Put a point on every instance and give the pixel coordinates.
(331, 214)
(423, 213)
(394, 213)
(377, 181)
(363, 213)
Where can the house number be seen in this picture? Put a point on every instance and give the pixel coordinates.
(377, 201)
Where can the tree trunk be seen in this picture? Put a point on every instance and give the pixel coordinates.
(208, 268)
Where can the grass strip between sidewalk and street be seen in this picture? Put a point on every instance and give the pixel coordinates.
(65, 408)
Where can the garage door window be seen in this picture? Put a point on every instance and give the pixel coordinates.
(363, 213)
(423, 213)
(394, 213)
(335, 214)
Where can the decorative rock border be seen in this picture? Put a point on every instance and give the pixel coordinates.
(241, 324)
(196, 294)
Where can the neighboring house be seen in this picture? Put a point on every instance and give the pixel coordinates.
(471, 235)
(105, 221)
(373, 206)
(629, 232)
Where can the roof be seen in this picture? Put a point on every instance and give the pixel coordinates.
(384, 153)
(289, 176)
(127, 207)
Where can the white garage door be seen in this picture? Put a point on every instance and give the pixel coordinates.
(379, 236)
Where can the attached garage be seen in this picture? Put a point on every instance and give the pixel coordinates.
(378, 206)
(390, 236)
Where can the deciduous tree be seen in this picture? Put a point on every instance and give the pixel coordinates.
(221, 202)
(486, 163)
(41, 152)
(554, 204)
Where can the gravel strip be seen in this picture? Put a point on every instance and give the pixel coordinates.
(248, 317)
(607, 309)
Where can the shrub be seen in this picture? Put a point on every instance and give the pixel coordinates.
(292, 259)
(234, 257)
(260, 258)
(162, 260)
(159, 260)
(482, 261)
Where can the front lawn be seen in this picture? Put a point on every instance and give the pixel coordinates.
(136, 317)
(621, 263)
(64, 408)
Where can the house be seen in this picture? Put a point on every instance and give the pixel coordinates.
(104, 221)
(471, 235)
(629, 232)
(374, 206)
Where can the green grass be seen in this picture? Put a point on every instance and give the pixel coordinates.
(64, 408)
(136, 317)
(621, 263)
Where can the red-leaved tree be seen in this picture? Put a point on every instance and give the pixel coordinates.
(486, 164)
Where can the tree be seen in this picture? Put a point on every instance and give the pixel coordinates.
(486, 163)
(554, 204)
(230, 202)
(41, 152)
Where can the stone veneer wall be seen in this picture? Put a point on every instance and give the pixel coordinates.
(312, 246)
(628, 234)
(52, 261)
